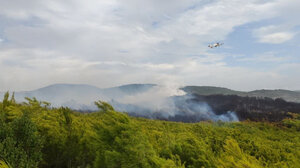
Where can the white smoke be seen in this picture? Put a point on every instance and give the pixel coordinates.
(170, 103)
(155, 99)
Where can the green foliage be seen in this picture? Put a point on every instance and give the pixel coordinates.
(233, 156)
(5, 101)
(124, 145)
(34, 135)
(103, 106)
(20, 143)
(4, 164)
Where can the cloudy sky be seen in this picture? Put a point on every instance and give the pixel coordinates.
(113, 42)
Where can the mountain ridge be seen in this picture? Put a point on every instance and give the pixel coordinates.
(79, 96)
(82, 96)
(288, 95)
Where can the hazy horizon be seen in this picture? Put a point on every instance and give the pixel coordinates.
(112, 42)
(173, 86)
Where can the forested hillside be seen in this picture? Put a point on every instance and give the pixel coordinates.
(34, 135)
(291, 96)
(250, 108)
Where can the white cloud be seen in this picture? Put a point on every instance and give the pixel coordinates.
(265, 57)
(98, 29)
(112, 42)
(276, 38)
(272, 35)
(36, 72)
(287, 14)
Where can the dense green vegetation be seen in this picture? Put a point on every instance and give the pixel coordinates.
(34, 135)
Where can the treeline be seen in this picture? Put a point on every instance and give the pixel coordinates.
(34, 135)
(250, 108)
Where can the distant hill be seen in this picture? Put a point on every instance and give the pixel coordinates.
(292, 96)
(80, 96)
(125, 90)
(210, 90)
(252, 108)
(287, 95)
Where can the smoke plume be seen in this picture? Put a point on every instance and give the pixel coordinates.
(169, 103)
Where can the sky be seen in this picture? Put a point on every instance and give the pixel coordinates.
(114, 42)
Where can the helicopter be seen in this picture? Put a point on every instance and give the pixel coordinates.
(217, 44)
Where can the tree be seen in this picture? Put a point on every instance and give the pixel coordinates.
(233, 156)
(20, 143)
(103, 106)
(121, 143)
